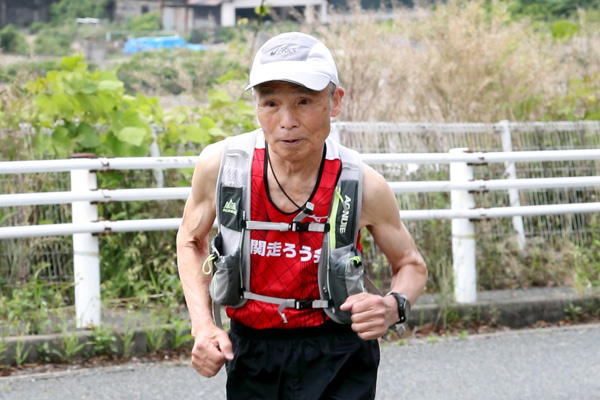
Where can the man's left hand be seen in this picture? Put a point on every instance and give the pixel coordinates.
(371, 314)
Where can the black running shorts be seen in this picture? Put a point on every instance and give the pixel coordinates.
(326, 362)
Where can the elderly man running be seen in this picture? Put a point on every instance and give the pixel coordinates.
(286, 263)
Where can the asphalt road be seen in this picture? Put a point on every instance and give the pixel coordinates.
(557, 363)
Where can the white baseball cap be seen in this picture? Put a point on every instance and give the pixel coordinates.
(294, 57)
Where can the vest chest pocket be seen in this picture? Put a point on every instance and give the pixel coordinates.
(226, 285)
(345, 278)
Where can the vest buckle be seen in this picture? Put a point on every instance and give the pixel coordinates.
(303, 304)
(300, 226)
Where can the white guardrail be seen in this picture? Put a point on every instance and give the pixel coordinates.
(85, 195)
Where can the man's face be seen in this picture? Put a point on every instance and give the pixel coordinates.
(295, 119)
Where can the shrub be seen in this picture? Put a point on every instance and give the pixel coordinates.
(66, 11)
(54, 41)
(21, 72)
(145, 22)
(165, 72)
(548, 10)
(12, 41)
(36, 27)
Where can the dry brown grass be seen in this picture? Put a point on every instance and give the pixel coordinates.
(456, 63)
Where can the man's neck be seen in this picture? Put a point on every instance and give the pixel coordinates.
(291, 183)
(288, 169)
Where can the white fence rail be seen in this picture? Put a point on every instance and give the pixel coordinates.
(85, 225)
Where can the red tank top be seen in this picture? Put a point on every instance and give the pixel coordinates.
(284, 264)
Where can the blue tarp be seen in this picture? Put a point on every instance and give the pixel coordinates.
(135, 45)
(196, 47)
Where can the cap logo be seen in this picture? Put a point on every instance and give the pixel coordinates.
(285, 52)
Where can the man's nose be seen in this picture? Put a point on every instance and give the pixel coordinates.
(289, 118)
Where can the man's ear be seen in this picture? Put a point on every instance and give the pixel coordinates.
(336, 101)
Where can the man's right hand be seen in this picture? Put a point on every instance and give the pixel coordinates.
(212, 348)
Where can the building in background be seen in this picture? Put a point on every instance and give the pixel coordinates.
(183, 16)
(125, 9)
(24, 12)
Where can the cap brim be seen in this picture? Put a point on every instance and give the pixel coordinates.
(277, 72)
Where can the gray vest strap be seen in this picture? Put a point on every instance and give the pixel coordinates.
(287, 303)
(283, 227)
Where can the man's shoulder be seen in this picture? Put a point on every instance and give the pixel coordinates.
(337, 150)
(214, 151)
(251, 138)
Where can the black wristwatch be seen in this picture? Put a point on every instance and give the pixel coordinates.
(403, 308)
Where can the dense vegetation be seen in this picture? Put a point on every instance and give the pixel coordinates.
(479, 61)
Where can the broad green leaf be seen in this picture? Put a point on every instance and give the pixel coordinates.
(170, 152)
(89, 140)
(61, 139)
(122, 149)
(89, 87)
(111, 86)
(85, 128)
(174, 116)
(72, 63)
(196, 134)
(72, 128)
(132, 135)
(217, 132)
(207, 123)
(134, 118)
(218, 96)
(107, 103)
(244, 109)
(87, 136)
(64, 105)
(42, 142)
(84, 102)
(104, 75)
(45, 104)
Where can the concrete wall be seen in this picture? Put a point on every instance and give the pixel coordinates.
(177, 19)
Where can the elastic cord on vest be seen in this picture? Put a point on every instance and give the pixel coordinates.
(207, 265)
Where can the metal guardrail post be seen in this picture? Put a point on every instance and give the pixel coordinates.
(86, 252)
(463, 235)
(513, 193)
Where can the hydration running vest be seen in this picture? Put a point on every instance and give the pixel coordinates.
(340, 269)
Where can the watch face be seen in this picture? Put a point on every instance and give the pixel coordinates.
(406, 307)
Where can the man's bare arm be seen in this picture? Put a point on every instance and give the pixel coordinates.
(382, 218)
(371, 315)
(212, 346)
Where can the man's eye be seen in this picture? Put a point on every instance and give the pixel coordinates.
(304, 101)
(270, 104)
